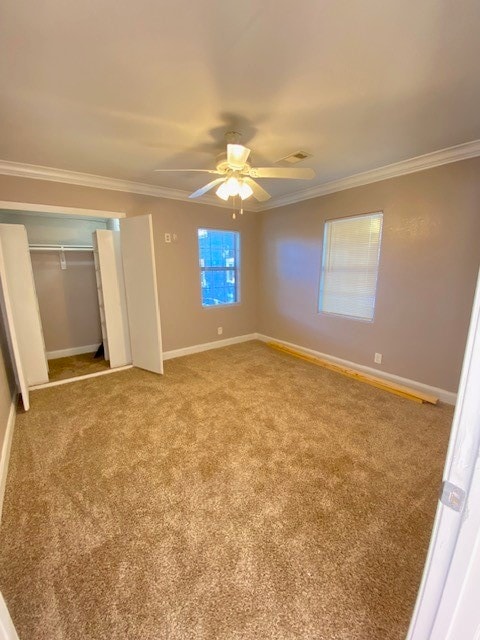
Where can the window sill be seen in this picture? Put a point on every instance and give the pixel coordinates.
(221, 306)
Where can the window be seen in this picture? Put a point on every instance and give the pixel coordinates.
(351, 252)
(219, 266)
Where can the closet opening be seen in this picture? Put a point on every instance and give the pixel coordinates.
(68, 299)
(67, 288)
(78, 294)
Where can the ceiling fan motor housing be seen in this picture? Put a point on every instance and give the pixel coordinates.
(233, 137)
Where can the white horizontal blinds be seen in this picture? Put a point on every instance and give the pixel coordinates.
(350, 266)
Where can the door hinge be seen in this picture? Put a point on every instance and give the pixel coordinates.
(452, 496)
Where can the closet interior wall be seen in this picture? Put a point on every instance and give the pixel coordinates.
(68, 302)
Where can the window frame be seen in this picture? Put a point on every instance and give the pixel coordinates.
(236, 268)
(320, 311)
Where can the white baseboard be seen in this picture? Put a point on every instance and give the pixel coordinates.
(206, 346)
(74, 351)
(446, 396)
(6, 447)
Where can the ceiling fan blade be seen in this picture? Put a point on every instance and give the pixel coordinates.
(282, 172)
(237, 155)
(207, 187)
(185, 170)
(259, 192)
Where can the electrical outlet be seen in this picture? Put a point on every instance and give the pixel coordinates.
(168, 237)
(174, 238)
(378, 358)
(220, 331)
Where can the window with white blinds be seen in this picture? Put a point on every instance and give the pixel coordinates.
(351, 252)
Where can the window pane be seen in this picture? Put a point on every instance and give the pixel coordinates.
(217, 248)
(350, 266)
(218, 260)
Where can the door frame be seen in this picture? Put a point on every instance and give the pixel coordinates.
(51, 209)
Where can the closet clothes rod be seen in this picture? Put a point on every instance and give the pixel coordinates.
(60, 247)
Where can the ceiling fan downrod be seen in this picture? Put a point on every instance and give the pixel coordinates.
(233, 137)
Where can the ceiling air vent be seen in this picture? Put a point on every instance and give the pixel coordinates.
(298, 156)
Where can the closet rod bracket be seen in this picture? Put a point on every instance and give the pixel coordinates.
(63, 261)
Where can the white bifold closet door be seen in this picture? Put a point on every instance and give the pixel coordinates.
(111, 297)
(138, 256)
(20, 308)
(18, 368)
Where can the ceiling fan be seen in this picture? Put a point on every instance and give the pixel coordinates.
(236, 174)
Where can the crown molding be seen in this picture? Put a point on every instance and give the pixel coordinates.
(412, 165)
(404, 167)
(50, 174)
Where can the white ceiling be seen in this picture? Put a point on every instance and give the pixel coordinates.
(120, 87)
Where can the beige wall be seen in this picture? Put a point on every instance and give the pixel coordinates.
(184, 322)
(67, 299)
(429, 261)
(428, 267)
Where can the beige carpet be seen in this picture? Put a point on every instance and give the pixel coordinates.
(75, 366)
(243, 495)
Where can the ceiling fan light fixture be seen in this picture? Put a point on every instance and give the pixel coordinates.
(230, 187)
(233, 186)
(245, 191)
(223, 191)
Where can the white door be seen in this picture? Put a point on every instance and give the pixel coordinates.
(7, 630)
(458, 615)
(138, 256)
(447, 604)
(24, 302)
(7, 313)
(112, 298)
